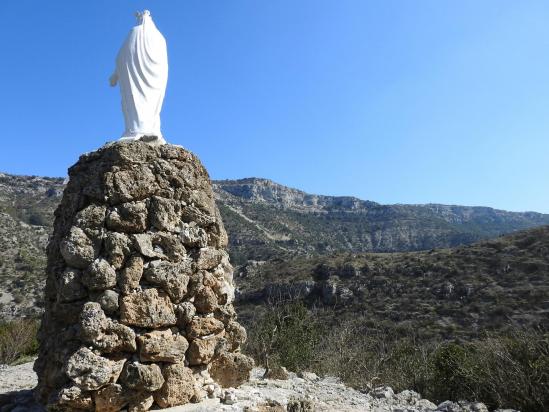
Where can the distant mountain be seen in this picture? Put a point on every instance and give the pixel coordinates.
(265, 219)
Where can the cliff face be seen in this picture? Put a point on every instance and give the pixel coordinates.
(277, 221)
(139, 290)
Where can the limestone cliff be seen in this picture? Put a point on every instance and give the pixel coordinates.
(139, 291)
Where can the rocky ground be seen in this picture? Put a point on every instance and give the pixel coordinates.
(303, 393)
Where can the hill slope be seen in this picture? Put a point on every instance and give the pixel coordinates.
(447, 293)
(265, 220)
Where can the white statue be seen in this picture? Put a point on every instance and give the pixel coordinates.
(142, 72)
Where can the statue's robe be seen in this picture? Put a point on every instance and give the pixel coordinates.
(142, 72)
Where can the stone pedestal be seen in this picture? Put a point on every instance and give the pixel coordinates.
(139, 286)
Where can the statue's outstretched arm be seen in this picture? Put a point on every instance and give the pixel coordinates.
(113, 79)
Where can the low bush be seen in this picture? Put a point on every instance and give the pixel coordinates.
(18, 339)
(503, 371)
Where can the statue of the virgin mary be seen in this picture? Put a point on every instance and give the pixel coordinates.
(142, 73)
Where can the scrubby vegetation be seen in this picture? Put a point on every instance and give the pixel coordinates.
(18, 341)
(510, 370)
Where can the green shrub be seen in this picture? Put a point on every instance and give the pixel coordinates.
(286, 334)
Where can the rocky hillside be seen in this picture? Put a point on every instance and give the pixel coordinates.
(440, 294)
(266, 220)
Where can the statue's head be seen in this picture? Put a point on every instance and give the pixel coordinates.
(140, 15)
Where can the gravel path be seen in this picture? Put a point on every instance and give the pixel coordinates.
(14, 378)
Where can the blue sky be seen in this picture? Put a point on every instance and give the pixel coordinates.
(392, 101)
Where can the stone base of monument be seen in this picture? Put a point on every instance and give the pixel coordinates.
(139, 286)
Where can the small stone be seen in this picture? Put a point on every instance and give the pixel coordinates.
(110, 398)
(193, 236)
(209, 258)
(178, 388)
(69, 286)
(91, 217)
(100, 275)
(90, 371)
(74, 398)
(205, 300)
(383, 392)
(147, 309)
(141, 403)
(143, 243)
(77, 249)
(128, 217)
(173, 278)
(235, 335)
(141, 377)
(104, 333)
(229, 397)
(231, 369)
(129, 277)
(185, 312)
(117, 248)
(200, 327)
(308, 376)
(109, 301)
(136, 183)
(201, 351)
(162, 346)
(165, 214)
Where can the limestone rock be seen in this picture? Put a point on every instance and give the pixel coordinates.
(100, 275)
(193, 235)
(165, 214)
(179, 386)
(141, 403)
(160, 245)
(129, 277)
(128, 217)
(201, 351)
(231, 369)
(209, 258)
(200, 327)
(185, 312)
(162, 346)
(77, 249)
(69, 286)
(143, 243)
(74, 398)
(235, 335)
(141, 377)
(109, 301)
(205, 300)
(117, 248)
(104, 333)
(110, 398)
(90, 371)
(147, 309)
(91, 217)
(173, 278)
(136, 183)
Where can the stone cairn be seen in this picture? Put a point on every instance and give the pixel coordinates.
(139, 286)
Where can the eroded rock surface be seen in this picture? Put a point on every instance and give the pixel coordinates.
(139, 291)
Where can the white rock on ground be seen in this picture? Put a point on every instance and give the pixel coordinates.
(324, 394)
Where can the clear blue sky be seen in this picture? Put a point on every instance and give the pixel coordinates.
(392, 101)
